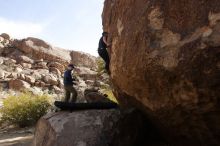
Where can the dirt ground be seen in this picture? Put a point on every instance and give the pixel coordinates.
(12, 136)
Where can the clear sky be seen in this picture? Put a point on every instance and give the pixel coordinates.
(69, 24)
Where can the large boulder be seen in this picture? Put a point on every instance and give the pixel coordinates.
(10, 62)
(18, 69)
(38, 49)
(83, 59)
(5, 36)
(17, 84)
(41, 71)
(25, 59)
(92, 95)
(50, 79)
(30, 79)
(26, 65)
(21, 76)
(40, 65)
(86, 73)
(40, 84)
(12, 75)
(38, 75)
(56, 90)
(165, 60)
(56, 65)
(27, 71)
(55, 71)
(94, 128)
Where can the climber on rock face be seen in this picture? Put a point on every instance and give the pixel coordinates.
(102, 49)
(68, 85)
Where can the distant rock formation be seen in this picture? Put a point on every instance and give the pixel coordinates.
(84, 59)
(165, 60)
(32, 63)
(38, 49)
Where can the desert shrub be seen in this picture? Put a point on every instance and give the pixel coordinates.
(101, 65)
(110, 95)
(24, 109)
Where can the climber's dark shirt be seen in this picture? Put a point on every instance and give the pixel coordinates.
(102, 44)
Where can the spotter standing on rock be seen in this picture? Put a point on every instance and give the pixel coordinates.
(102, 49)
(68, 85)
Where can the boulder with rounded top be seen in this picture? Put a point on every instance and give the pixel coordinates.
(10, 62)
(50, 79)
(18, 84)
(30, 79)
(26, 65)
(5, 36)
(55, 71)
(25, 59)
(57, 65)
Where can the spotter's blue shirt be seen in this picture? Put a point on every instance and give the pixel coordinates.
(68, 79)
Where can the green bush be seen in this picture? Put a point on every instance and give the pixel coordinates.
(110, 95)
(25, 109)
(101, 65)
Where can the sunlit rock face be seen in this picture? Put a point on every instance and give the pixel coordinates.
(39, 49)
(165, 59)
(83, 59)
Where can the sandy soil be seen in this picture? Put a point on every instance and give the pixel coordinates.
(11, 136)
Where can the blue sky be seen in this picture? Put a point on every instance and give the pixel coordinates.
(69, 24)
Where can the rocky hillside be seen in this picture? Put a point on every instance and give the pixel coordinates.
(165, 60)
(34, 65)
(37, 49)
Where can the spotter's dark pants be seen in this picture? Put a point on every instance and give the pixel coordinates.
(70, 91)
